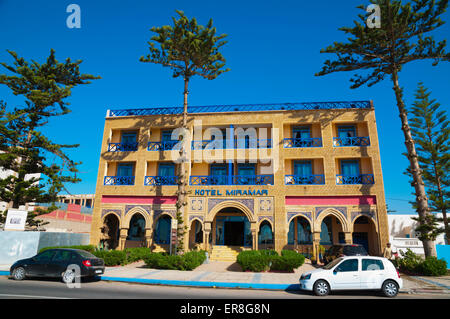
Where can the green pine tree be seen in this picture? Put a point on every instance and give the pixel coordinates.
(188, 49)
(431, 132)
(382, 52)
(24, 149)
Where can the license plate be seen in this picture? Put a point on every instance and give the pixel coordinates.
(99, 271)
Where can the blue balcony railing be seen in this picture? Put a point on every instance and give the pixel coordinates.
(351, 141)
(122, 147)
(118, 180)
(355, 179)
(163, 146)
(304, 180)
(302, 142)
(238, 144)
(160, 180)
(232, 180)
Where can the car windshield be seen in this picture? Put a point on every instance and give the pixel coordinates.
(332, 264)
(354, 250)
(85, 254)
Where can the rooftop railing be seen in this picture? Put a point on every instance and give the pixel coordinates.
(243, 108)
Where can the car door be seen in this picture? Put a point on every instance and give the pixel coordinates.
(40, 262)
(372, 273)
(346, 275)
(58, 264)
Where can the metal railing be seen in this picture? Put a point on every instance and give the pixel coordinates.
(163, 146)
(122, 147)
(304, 180)
(118, 180)
(351, 141)
(302, 142)
(237, 144)
(160, 180)
(355, 179)
(232, 180)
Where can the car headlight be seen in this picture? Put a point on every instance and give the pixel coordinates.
(305, 277)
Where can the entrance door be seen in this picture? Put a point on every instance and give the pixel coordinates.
(234, 233)
(362, 239)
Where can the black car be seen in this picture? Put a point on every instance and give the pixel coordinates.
(59, 262)
(342, 250)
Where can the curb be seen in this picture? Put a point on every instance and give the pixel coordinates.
(205, 284)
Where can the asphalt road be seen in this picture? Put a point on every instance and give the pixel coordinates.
(54, 289)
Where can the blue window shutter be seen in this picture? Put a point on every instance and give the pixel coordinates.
(302, 168)
(166, 170)
(125, 170)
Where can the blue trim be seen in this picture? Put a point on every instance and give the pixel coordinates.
(118, 180)
(231, 180)
(206, 283)
(163, 146)
(244, 108)
(122, 147)
(4, 273)
(318, 179)
(160, 180)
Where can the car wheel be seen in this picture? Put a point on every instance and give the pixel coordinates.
(321, 288)
(389, 288)
(68, 277)
(19, 273)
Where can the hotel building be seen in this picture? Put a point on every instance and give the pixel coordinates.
(285, 176)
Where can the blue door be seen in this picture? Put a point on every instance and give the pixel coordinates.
(128, 138)
(125, 170)
(246, 174)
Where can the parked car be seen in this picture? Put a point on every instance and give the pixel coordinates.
(342, 250)
(354, 273)
(55, 262)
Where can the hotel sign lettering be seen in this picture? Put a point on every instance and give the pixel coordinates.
(233, 192)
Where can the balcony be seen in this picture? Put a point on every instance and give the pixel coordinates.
(351, 141)
(122, 147)
(160, 180)
(238, 144)
(163, 146)
(355, 179)
(304, 180)
(232, 180)
(118, 180)
(302, 142)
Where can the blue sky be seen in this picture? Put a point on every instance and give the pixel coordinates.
(273, 52)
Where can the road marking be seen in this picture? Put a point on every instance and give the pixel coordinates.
(32, 296)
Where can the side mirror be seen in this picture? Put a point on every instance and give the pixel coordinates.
(336, 270)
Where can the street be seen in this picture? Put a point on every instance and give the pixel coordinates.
(54, 289)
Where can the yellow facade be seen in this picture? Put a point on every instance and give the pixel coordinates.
(277, 204)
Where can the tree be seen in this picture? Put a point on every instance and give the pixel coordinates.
(431, 133)
(383, 52)
(188, 49)
(24, 149)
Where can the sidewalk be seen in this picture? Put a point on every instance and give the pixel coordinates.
(229, 275)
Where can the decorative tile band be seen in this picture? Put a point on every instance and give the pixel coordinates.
(107, 211)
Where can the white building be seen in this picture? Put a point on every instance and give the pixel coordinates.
(4, 205)
(402, 234)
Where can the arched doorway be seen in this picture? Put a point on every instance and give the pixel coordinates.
(136, 231)
(110, 232)
(231, 227)
(364, 233)
(265, 236)
(195, 234)
(300, 235)
(331, 232)
(162, 230)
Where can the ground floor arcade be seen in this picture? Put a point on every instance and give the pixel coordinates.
(253, 223)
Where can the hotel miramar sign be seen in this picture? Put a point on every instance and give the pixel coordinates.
(233, 192)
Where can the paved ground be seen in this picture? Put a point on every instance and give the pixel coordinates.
(230, 275)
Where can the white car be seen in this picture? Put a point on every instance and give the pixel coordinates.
(354, 273)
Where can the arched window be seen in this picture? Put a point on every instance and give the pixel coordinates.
(137, 228)
(304, 235)
(265, 235)
(162, 232)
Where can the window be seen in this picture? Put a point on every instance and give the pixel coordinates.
(45, 256)
(302, 168)
(62, 256)
(346, 131)
(246, 169)
(372, 264)
(348, 265)
(166, 136)
(166, 169)
(326, 234)
(349, 167)
(265, 235)
(128, 137)
(304, 235)
(125, 170)
(299, 132)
